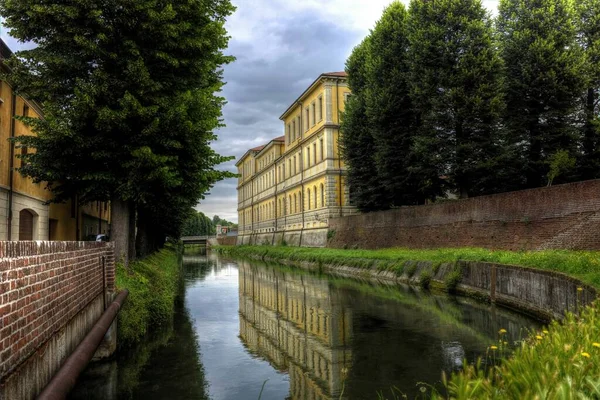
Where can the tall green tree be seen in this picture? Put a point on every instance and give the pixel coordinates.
(356, 141)
(457, 92)
(588, 35)
(544, 80)
(391, 116)
(113, 77)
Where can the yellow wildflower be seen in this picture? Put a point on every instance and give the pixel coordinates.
(580, 289)
(586, 355)
(538, 337)
(596, 344)
(494, 347)
(502, 331)
(545, 331)
(505, 343)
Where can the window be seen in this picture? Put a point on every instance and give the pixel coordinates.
(315, 195)
(294, 128)
(308, 197)
(320, 109)
(298, 125)
(290, 204)
(25, 110)
(321, 145)
(294, 173)
(322, 195)
(314, 114)
(295, 203)
(290, 167)
(307, 120)
(347, 96)
(23, 153)
(314, 153)
(308, 156)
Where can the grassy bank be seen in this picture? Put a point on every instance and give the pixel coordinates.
(560, 362)
(583, 265)
(152, 284)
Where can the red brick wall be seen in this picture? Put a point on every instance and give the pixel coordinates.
(42, 286)
(563, 216)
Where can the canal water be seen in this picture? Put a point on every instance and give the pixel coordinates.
(245, 327)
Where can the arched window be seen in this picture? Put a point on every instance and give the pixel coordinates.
(25, 225)
(290, 204)
(308, 197)
(295, 203)
(315, 195)
(322, 195)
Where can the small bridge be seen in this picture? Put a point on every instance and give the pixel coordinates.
(196, 239)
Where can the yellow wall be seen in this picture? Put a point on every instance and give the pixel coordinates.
(303, 159)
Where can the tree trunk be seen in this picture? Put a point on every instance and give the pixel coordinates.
(131, 237)
(119, 231)
(142, 237)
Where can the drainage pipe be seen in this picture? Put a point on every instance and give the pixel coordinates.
(66, 377)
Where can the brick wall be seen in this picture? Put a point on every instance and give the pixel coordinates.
(563, 216)
(227, 241)
(43, 285)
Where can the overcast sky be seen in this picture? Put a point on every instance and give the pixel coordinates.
(281, 46)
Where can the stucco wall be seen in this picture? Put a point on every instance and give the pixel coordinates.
(563, 217)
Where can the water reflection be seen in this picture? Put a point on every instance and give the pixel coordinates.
(299, 326)
(334, 334)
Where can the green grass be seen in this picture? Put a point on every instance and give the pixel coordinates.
(152, 284)
(583, 265)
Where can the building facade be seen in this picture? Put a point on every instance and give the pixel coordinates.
(25, 212)
(290, 187)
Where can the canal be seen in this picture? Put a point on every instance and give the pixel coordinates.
(243, 325)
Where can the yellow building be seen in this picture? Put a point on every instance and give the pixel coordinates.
(290, 187)
(24, 210)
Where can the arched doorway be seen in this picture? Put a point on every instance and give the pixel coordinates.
(25, 225)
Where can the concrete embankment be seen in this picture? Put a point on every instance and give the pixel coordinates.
(544, 294)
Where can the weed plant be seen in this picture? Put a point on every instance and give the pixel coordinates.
(152, 284)
(561, 362)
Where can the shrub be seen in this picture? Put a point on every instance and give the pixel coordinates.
(425, 280)
(453, 278)
(410, 268)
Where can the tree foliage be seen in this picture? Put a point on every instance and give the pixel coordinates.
(588, 37)
(390, 112)
(456, 87)
(543, 80)
(447, 102)
(128, 92)
(356, 141)
(198, 224)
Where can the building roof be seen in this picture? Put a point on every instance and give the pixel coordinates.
(5, 54)
(338, 75)
(258, 149)
(342, 74)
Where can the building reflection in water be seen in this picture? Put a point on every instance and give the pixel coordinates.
(299, 325)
